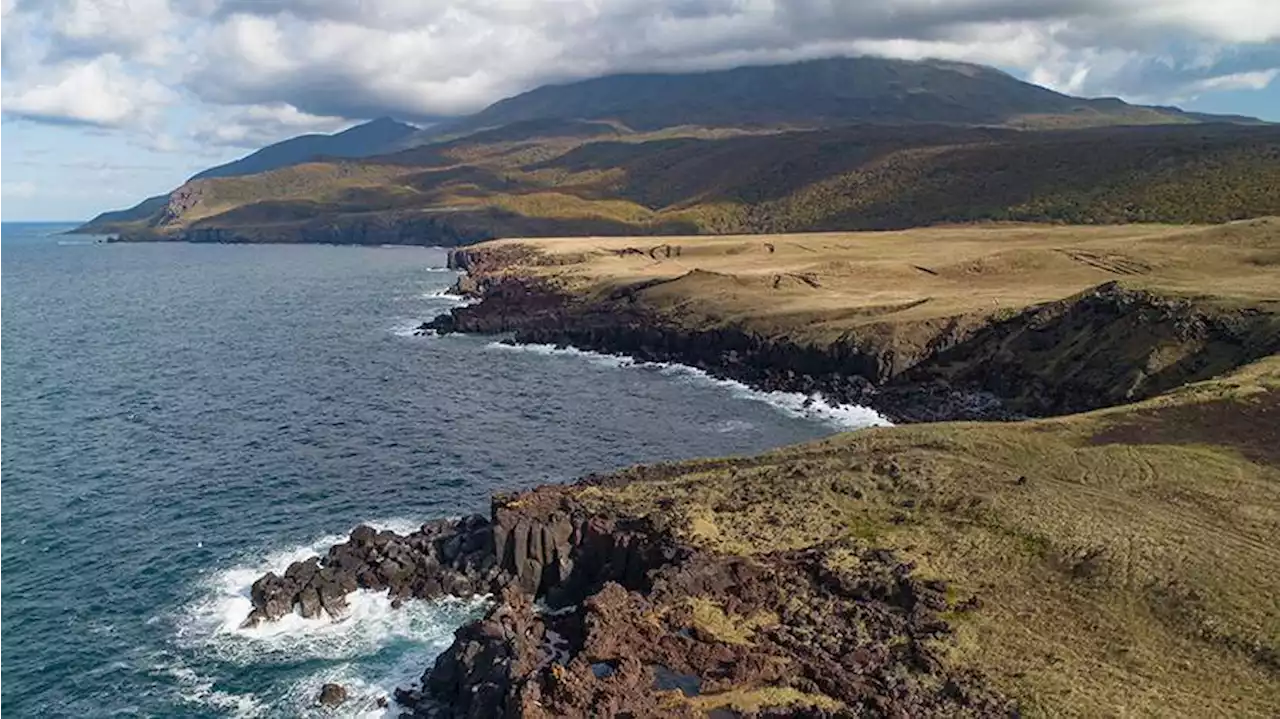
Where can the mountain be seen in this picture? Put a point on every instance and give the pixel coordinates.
(817, 93)
(823, 144)
(371, 138)
(860, 177)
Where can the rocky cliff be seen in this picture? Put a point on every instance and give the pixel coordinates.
(1104, 346)
(633, 622)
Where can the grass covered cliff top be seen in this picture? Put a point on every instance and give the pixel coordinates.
(1122, 561)
(1119, 562)
(822, 285)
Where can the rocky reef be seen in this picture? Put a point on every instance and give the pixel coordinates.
(445, 557)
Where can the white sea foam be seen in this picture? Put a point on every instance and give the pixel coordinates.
(452, 297)
(845, 416)
(406, 328)
(419, 629)
(199, 691)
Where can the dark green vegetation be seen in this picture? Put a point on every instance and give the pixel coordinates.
(372, 138)
(834, 144)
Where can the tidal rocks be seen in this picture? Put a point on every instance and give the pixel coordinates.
(632, 622)
(332, 695)
(443, 557)
(1030, 363)
(787, 632)
(847, 372)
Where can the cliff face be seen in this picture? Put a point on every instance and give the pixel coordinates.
(1107, 345)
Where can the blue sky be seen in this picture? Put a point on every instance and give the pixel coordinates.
(106, 102)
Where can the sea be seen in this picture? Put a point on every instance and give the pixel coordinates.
(178, 419)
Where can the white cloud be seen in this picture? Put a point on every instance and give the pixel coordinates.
(362, 57)
(139, 29)
(258, 125)
(1256, 80)
(324, 59)
(98, 92)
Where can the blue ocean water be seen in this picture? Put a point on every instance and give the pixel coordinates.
(178, 419)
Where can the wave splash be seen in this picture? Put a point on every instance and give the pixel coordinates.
(370, 651)
(812, 407)
(453, 297)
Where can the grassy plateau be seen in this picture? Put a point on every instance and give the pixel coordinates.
(1118, 562)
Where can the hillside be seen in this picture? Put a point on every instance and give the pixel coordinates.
(926, 104)
(371, 138)
(1115, 561)
(817, 93)
(375, 137)
(540, 179)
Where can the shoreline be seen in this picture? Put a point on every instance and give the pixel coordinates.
(919, 569)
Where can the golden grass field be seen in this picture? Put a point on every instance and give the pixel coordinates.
(1125, 561)
(822, 284)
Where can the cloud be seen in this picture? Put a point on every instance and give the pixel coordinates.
(248, 64)
(98, 92)
(139, 29)
(364, 57)
(257, 125)
(1256, 80)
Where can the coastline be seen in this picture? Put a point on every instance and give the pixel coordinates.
(938, 568)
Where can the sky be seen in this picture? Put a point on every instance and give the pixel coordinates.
(106, 102)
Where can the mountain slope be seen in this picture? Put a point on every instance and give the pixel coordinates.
(817, 93)
(372, 138)
(840, 143)
(846, 178)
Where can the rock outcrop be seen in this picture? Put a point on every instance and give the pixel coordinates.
(332, 695)
(453, 557)
(784, 634)
(601, 615)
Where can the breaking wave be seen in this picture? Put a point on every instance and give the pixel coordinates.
(812, 407)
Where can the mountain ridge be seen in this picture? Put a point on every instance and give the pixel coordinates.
(510, 142)
(370, 138)
(844, 89)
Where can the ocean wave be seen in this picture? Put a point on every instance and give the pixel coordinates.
(812, 407)
(452, 297)
(406, 328)
(371, 650)
(198, 690)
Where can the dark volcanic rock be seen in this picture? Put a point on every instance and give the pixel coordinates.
(844, 373)
(622, 629)
(1032, 363)
(332, 695)
(428, 563)
(858, 639)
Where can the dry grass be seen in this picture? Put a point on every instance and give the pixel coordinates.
(323, 182)
(822, 285)
(711, 619)
(753, 700)
(1124, 559)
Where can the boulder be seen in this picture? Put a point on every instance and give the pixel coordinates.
(332, 695)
